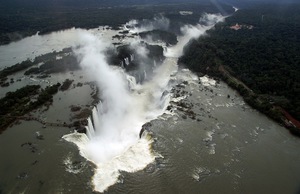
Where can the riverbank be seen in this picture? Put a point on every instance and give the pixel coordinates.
(20, 22)
(260, 61)
(262, 103)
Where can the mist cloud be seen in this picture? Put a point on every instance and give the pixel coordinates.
(189, 32)
(158, 22)
(112, 83)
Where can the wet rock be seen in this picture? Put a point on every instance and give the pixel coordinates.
(43, 76)
(150, 168)
(176, 95)
(145, 127)
(185, 104)
(22, 175)
(84, 113)
(75, 108)
(203, 174)
(5, 84)
(66, 85)
(77, 165)
(84, 122)
(39, 136)
(30, 146)
(169, 107)
(79, 84)
(81, 130)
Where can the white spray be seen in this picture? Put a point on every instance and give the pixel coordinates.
(158, 22)
(112, 142)
(207, 21)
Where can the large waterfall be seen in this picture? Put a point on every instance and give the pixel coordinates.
(112, 140)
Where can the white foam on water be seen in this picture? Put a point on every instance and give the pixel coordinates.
(206, 81)
(112, 141)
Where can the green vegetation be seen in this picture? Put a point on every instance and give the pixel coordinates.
(16, 104)
(19, 22)
(46, 95)
(15, 68)
(51, 65)
(66, 63)
(263, 54)
(66, 84)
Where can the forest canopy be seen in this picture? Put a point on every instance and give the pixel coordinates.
(259, 46)
(19, 21)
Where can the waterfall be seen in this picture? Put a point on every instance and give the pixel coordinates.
(90, 131)
(131, 82)
(154, 63)
(131, 57)
(127, 61)
(145, 75)
(112, 140)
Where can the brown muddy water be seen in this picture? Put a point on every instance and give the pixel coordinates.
(227, 148)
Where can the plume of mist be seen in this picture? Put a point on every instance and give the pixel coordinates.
(158, 22)
(206, 22)
(140, 49)
(209, 19)
(114, 92)
(112, 140)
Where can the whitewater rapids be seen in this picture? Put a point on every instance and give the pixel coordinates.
(112, 140)
(122, 149)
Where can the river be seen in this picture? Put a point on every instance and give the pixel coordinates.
(224, 147)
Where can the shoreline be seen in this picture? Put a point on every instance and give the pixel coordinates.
(258, 102)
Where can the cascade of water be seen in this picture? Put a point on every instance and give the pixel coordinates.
(112, 140)
(131, 82)
(131, 57)
(90, 131)
(145, 75)
(154, 63)
(126, 61)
